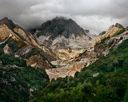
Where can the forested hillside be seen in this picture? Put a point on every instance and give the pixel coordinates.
(103, 81)
(17, 81)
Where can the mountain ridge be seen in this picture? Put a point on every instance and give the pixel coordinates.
(61, 25)
(61, 32)
(95, 71)
(23, 39)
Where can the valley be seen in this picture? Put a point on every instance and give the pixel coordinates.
(61, 56)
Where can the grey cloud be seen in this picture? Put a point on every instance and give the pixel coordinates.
(95, 15)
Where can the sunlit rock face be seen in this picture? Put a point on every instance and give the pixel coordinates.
(17, 41)
(61, 33)
(112, 31)
(7, 50)
(99, 46)
(64, 37)
(60, 46)
(75, 47)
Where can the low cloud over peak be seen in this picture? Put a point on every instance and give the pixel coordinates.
(95, 15)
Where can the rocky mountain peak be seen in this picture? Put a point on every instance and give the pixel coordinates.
(7, 22)
(61, 32)
(21, 42)
(119, 25)
(60, 26)
(113, 30)
(116, 25)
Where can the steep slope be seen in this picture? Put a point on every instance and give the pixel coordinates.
(60, 26)
(102, 47)
(17, 37)
(103, 81)
(17, 81)
(60, 33)
(93, 71)
(112, 31)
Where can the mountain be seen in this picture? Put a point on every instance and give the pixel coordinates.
(100, 46)
(103, 81)
(61, 26)
(62, 60)
(112, 31)
(17, 80)
(21, 43)
(60, 33)
(67, 60)
(8, 22)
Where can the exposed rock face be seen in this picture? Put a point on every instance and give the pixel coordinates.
(102, 49)
(65, 71)
(60, 26)
(4, 32)
(118, 25)
(63, 44)
(37, 61)
(7, 50)
(16, 36)
(65, 37)
(67, 54)
(8, 22)
(103, 45)
(112, 31)
(61, 33)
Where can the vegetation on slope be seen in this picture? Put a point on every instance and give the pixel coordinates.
(17, 81)
(126, 95)
(103, 81)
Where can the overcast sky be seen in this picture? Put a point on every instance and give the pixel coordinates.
(96, 15)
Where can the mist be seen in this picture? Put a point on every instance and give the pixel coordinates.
(95, 15)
